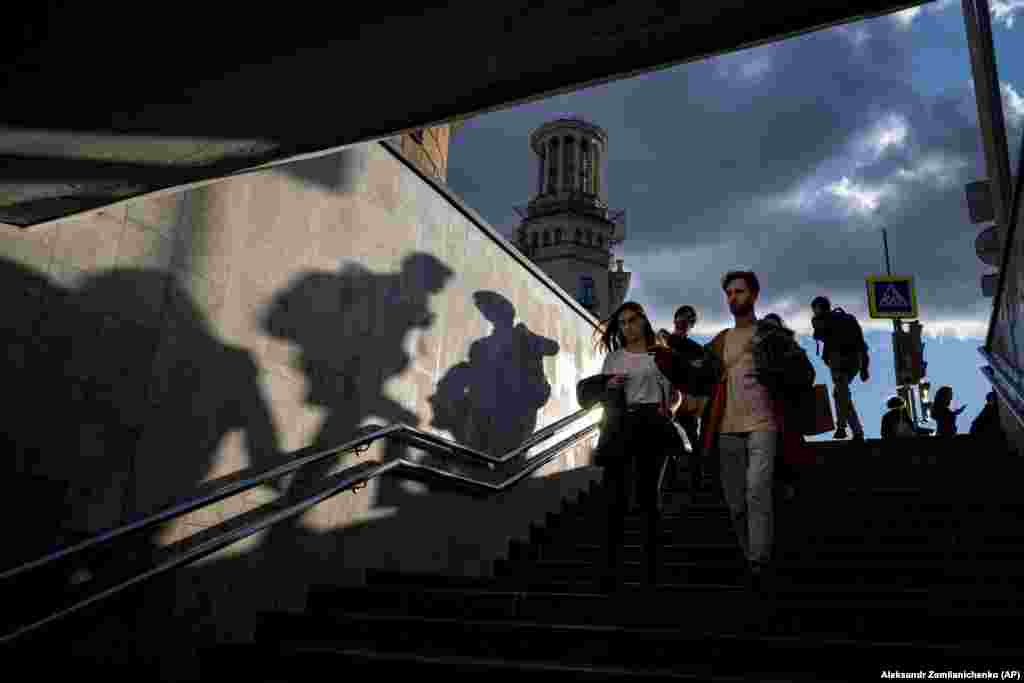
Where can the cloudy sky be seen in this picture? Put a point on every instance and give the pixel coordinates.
(789, 159)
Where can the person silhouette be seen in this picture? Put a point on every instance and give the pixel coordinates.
(451, 405)
(943, 415)
(39, 425)
(141, 398)
(351, 328)
(508, 384)
(168, 385)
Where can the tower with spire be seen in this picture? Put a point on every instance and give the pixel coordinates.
(567, 228)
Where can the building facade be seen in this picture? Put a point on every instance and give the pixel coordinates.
(427, 148)
(567, 228)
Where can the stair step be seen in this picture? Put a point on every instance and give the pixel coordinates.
(299, 663)
(638, 523)
(305, 662)
(932, 505)
(596, 532)
(788, 552)
(825, 567)
(667, 551)
(308, 659)
(872, 551)
(904, 573)
(882, 527)
(387, 577)
(636, 517)
(889, 536)
(592, 607)
(973, 597)
(822, 520)
(613, 645)
(586, 607)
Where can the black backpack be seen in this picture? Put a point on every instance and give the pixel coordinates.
(782, 365)
(799, 377)
(844, 333)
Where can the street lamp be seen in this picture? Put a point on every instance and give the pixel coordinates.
(926, 404)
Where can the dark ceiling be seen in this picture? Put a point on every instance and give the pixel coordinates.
(102, 103)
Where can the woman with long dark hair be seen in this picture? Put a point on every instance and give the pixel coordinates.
(945, 418)
(635, 458)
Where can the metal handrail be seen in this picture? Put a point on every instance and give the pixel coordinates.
(418, 437)
(401, 432)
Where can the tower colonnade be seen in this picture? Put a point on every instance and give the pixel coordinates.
(567, 228)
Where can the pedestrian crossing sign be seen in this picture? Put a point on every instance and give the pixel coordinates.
(892, 296)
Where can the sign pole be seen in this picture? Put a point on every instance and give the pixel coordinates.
(897, 337)
(885, 245)
(897, 323)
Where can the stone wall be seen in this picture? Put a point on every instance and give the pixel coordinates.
(171, 341)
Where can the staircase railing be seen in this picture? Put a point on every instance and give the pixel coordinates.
(353, 477)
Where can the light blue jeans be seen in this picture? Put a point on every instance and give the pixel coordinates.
(747, 464)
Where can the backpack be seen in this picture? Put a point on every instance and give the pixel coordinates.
(844, 333)
(781, 364)
(799, 377)
(695, 371)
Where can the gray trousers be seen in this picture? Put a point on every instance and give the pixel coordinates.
(747, 463)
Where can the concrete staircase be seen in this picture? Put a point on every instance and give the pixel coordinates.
(888, 559)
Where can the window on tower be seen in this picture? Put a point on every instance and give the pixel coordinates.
(579, 236)
(558, 235)
(568, 146)
(586, 293)
(553, 165)
(590, 236)
(547, 238)
(543, 157)
(587, 164)
(535, 239)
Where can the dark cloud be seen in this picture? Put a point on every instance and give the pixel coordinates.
(712, 161)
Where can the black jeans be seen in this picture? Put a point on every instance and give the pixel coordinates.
(636, 476)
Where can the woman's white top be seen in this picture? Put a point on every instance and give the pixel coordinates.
(644, 383)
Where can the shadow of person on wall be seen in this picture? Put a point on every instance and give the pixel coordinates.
(170, 383)
(511, 385)
(127, 398)
(126, 395)
(491, 401)
(351, 330)
(38, 414)
(176, 394)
